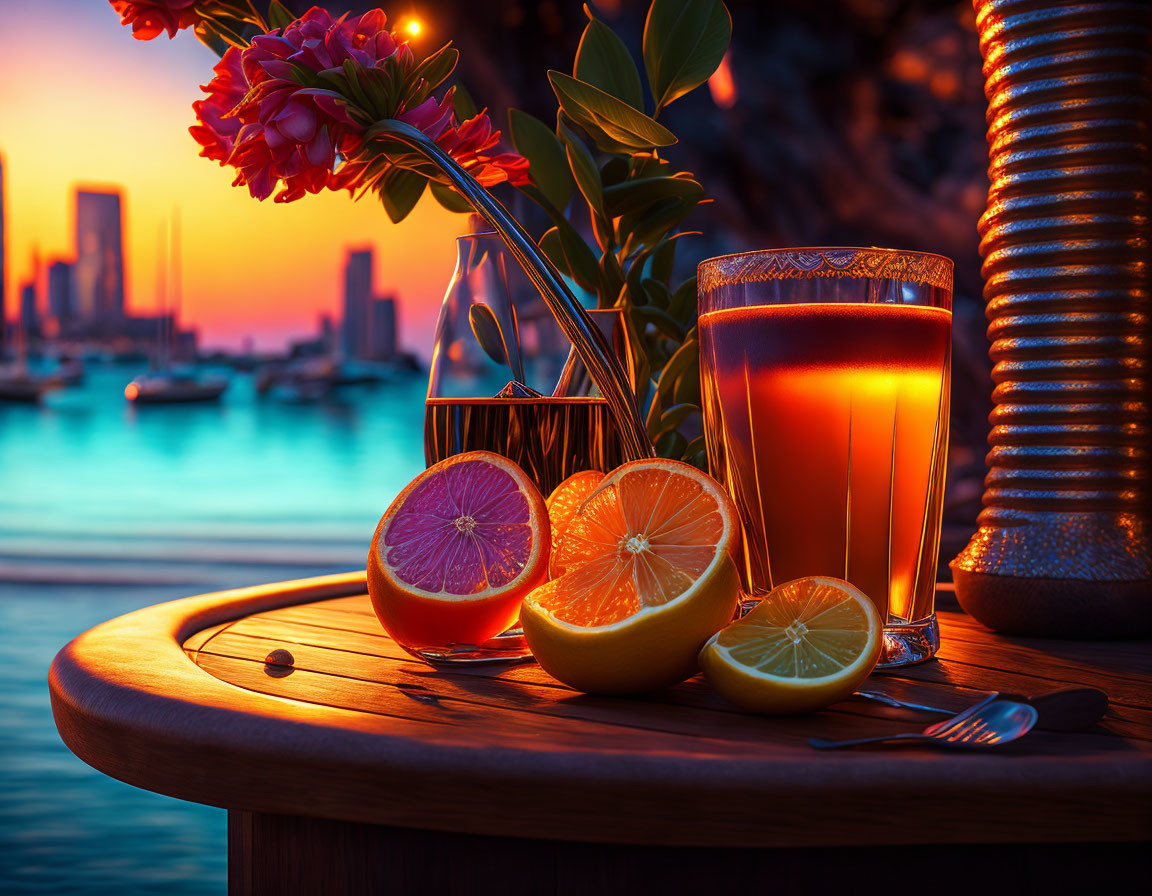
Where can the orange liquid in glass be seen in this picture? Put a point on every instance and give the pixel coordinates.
(827, 423)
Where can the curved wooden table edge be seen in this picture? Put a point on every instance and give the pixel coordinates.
(130, 702)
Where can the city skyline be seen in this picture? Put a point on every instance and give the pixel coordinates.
(117, 115)
(81, 291)
(79, 295)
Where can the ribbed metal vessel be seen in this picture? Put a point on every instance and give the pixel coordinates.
(1063, 546)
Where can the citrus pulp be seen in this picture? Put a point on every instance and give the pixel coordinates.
(456, 552)
(646, 576)
(808, 644)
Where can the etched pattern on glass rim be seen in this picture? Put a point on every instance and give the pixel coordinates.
(799, 264)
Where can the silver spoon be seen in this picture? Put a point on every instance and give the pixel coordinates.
(1066, 709)
(880, 697)
(988, 725)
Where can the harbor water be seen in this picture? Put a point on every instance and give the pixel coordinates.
(106, 508)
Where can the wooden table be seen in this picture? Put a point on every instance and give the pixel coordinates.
(359, 769)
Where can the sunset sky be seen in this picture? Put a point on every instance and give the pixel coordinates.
(83, 103)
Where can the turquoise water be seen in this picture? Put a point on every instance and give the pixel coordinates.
(105, 508)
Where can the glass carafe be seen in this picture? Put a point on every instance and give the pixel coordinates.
(506, 379)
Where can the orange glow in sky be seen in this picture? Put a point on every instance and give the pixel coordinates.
(83, 103)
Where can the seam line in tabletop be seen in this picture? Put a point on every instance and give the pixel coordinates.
(727, 711)
(977, 692)
(213, 637)
(704, 738)
(374, 712)
(1065, 681)
(719, 737)
(333, 605)
(382, 636)
(956, 636)
(516, 709)
(685, 703)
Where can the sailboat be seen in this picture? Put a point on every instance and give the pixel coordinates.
(17, 381)
(165, 384)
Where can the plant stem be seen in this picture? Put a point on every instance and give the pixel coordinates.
(584, 335)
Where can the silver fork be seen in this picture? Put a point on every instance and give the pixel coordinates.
(988, 724)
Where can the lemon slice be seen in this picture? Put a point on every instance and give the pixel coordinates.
(808, 644)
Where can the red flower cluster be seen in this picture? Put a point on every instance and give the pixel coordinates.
(259, 119)
(470, 143)
(149, 18)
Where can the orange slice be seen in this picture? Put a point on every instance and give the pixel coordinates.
(647, 577)
(567, 497)
(457, 551)
(808, 644)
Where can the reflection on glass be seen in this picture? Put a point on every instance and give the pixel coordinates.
(826, 378)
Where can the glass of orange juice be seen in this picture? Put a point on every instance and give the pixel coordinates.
(825, 375)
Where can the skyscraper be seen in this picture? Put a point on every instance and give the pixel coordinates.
(99, 271)
(3, 269)
(356, 326)
(61, 294)
(29, 315)
(382, 329)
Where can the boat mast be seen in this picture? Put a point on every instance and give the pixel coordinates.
(160, 355)
(176, 272)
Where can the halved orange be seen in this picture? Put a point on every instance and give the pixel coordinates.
(808, 644)
(646, 578)
(567, 497)
(456, 552)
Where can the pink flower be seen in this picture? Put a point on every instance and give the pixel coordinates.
(270, 128)
(150, 17)
(471, 143)
(271, 116)
(217, 133)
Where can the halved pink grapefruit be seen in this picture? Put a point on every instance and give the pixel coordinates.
(457, 551)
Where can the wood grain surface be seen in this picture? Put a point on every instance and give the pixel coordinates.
(178, 699)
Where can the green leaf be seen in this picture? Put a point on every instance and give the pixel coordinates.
(612, 278)
(661, 295)
(648, 164)
(661, 319)
(671, 444)
(674, 418)
(613, 125)
(641, 363)
(210, 39)
(603, 61)
(547, 158)
(583, 167)
(221, 33)
(571, 255)
(463, 103)
(400, 190)
(648, 227)
(436, 68)
(279, 16)
(613, 171)
(450, 199)
(487, 333)
(634, 195)
(684, 42)
(358, 92)
(687, 358)
(684, 300)
(687, 387)
(663, 258)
